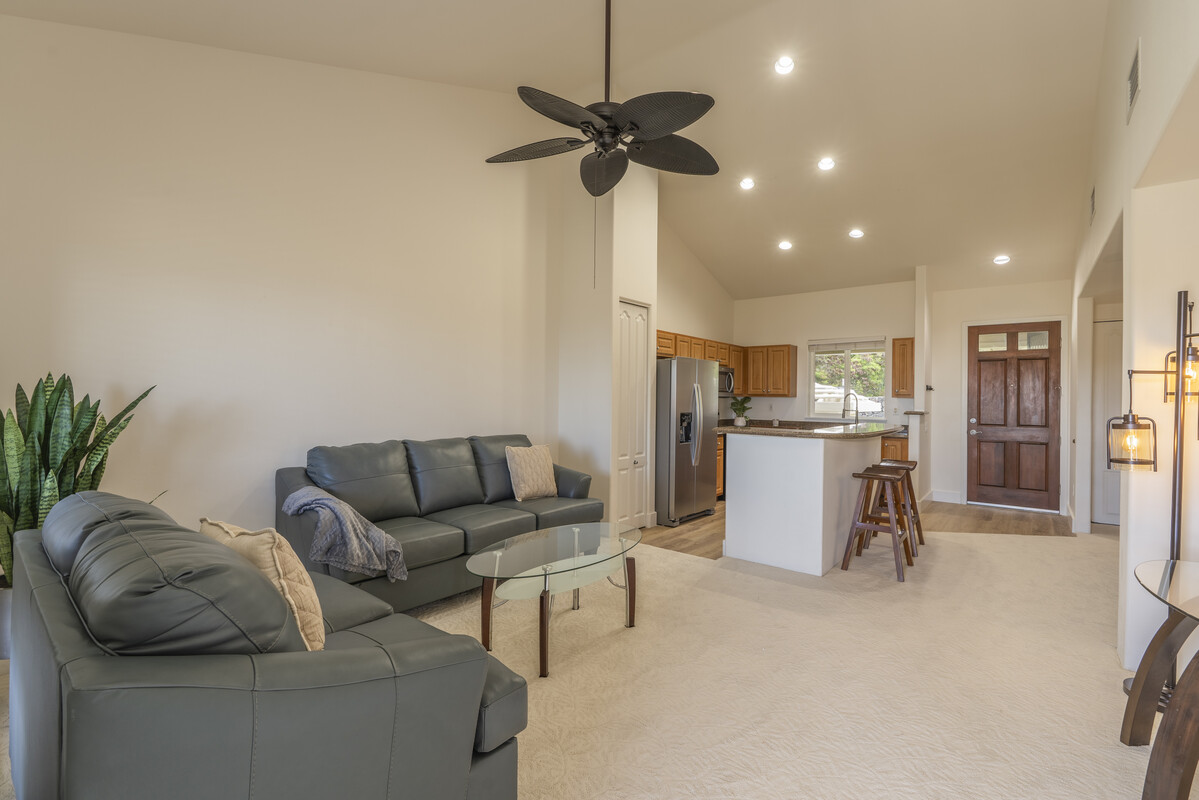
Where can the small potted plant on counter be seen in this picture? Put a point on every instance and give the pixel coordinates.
(739, 405)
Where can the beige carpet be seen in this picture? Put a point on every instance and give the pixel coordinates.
(990, 673)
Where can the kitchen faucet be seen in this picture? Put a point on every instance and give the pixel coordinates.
(845, 406)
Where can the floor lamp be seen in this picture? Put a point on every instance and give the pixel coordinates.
(1132, 439)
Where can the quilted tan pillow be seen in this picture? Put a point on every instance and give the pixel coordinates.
(532, 471)
(274, 558)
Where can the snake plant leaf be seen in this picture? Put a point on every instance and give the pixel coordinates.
(99, 473)
(37, 415)
(121, 416)
(6, 531)
(22, 408)
(49, 496)
(48, 384)
(60, 430)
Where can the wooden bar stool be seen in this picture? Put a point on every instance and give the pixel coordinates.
(903, 505)
(909, 490)
(889, 482)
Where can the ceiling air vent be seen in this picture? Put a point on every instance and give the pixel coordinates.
(1134, 80)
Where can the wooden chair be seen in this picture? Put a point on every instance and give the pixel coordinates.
(888, 482)
(909, 490)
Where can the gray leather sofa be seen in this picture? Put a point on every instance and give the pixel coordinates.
(443, 500)
(152, 662)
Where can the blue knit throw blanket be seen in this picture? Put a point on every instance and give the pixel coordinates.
(344, 538)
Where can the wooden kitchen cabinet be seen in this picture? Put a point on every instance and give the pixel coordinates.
(737, 362)
(698, 348)
(895, 447)
(712, 350)
(903, 367)
(755, 366)
(682, 346)
(665, 344)
(773, 370)
(722, 353)
(719, 466)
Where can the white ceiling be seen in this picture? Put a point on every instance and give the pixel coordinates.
(961, 128)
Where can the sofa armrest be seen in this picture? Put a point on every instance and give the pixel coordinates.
(340, 723)
(343, 606)
(571, 482)
(300, 530)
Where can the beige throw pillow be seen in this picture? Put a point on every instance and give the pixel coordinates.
(274, 558)
(532, 471)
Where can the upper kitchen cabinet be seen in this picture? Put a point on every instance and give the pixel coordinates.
(772, 370)
(682, 346)
(665, 344)
(712, 350)
(737, 362)
(903, 367)
(698, 348)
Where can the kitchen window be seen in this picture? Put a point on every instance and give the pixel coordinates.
(840, 368)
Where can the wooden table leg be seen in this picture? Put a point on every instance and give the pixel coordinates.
(1176, 748)
(545, 633)
(630, 582)
(1152, 674)
(488, 602)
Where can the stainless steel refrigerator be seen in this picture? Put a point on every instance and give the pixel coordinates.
(686, 469)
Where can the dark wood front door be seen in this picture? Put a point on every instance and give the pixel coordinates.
(1014, 415)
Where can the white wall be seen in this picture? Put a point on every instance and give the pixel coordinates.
(952, 312)
(690, 300)
(294, 254)
(882, 311)
(1161, 244)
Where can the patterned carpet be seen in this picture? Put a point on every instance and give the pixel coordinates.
(990, 673)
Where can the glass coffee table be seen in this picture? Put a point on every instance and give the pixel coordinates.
(546, 562)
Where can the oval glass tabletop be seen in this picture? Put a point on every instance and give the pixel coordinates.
(553, 551)
(1175, 583)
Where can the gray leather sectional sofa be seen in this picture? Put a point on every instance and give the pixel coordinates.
(150, 661)
(443, 500)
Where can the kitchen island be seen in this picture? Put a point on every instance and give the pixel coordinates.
(790, 490)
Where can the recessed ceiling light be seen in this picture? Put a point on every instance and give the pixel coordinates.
(784, 245)
(1002, 259)
(784, 65)
(826, 163)
(856, 233)
(747, 183)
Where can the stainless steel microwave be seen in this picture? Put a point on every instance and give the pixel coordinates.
(724, 382)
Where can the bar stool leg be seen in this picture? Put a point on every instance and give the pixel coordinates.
(853, 527)
(905, 506)
(907, 479)
(895, 537)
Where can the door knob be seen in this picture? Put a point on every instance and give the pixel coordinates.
(635, 462)
(973, 421)
(973, 432)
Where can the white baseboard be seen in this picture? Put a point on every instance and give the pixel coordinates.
(946, 496)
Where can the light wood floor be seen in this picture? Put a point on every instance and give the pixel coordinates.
(704, 536)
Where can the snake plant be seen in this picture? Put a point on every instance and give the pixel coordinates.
(52, 447)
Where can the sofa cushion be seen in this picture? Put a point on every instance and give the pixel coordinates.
(424, 541)
(270, 553)
(373, 478)
(492, 462)
(147, 587)
(532, 470)
(554, 511)
(74, 518)
(393, 629)
(444, 475)
(484, 525)
(343, 606)
(504, 709)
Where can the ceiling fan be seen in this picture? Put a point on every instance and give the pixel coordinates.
(641, 130)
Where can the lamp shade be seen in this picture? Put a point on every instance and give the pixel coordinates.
(1132, 443)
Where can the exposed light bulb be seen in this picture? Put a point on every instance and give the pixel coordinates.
(784, 245)
(1001, 260)
(856, 233)
(784, 65)
(1130, 444)
(826, 163)
(747, 183)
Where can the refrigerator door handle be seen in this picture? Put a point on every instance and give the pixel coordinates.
(697, 417)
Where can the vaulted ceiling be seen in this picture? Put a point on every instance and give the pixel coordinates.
(961, 129)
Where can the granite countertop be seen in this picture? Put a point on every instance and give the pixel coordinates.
(862, 430)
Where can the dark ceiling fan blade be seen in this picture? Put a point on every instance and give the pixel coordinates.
(550, 147)
(559, 110)
(673, 153)
(601, 171)
(656, 115)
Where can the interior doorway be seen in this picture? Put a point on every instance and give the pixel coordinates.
(631, 499)
(1013, 441)
(1106, 376)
